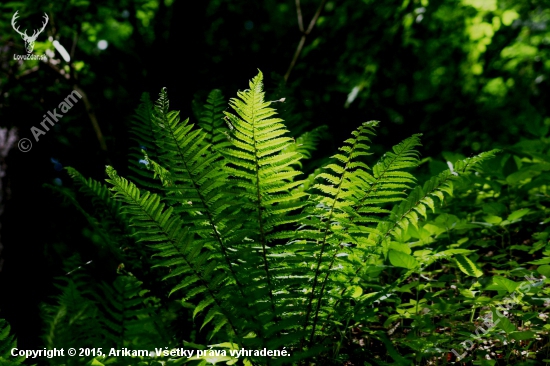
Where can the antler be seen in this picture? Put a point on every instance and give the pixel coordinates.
(36, 33)
(17, 29)
(24, 34)
(45, 23)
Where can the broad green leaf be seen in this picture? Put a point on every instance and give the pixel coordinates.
(485, 362)
(541, 261)
(503, 284)
(433, 229)
(491, 219)
(544, 270)
(467, 266)
(400, 259)
(468, 293)
(502, 322)
(518, 214)
(404, 248)
(422, 253)
(520, 175)
(494, 208)
(446, 220)
(522, 336)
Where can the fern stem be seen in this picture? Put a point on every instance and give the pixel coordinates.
(356, 209)
(260, 217)
(323, 246)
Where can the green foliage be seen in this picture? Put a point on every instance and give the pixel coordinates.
(211, 119)
(492, 296)
(262, 258)
(7, 343)
(98, 315)
(353, 261)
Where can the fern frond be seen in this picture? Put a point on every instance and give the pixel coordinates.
(329, 217)
(92, 314)
(197, 186)
(211, 120)
(75, 317)
(157, 225)
(146, 135)
(307, 142)
(106, 207)
(129, 321)
(404, 213)
(105, 228)
(421, 198)
(262, 173)
(7, 343)
(388, 182)
(98, 192)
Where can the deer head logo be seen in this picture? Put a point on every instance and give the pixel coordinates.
(29, 40)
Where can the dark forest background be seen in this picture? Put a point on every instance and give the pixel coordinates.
(469, 74)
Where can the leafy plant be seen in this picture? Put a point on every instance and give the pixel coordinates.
(495, 225)
(7, 343)
(264, 259)
(97, 315)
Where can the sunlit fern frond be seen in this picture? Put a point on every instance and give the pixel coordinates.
(201, 272)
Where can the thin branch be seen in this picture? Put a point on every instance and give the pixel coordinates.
(296, 55)
(93, 118)
(73, 47)
(28, 72)
(299, 13)
(315, 17)
(304, 34)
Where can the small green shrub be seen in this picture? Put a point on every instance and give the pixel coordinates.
(262, 257)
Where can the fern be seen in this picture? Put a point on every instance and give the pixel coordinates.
(265, 259)
(420, 199)
(338, 214)
(199, 185)
(130, 317)
(307, 142)
(146, 135)
(7, 343)
(74, 320)
(95, 315)
(211, 120)
(262, 174)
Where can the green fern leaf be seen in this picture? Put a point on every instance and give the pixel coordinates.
(7, 343)
(262, 173)
(211, 120)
